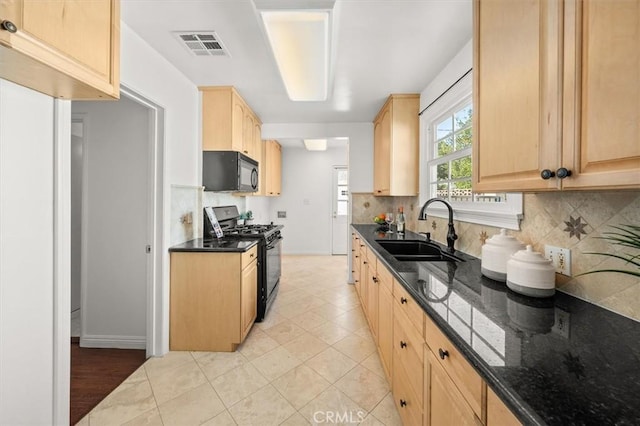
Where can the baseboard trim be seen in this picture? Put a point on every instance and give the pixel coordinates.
(113, 342)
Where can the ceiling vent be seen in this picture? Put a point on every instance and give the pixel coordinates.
(202, 43)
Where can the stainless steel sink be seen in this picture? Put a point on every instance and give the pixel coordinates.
(416, 251)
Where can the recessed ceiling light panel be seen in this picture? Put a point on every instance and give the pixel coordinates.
(315, 144)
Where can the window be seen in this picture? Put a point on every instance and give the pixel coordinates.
(447, 163)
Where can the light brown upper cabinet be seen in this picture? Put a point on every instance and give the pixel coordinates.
(65, 49)
(228, 124)
(556, 94)
(272, 168)
(395, 149)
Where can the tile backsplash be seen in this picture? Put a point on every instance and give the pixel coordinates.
(188, 201)
(573, 220)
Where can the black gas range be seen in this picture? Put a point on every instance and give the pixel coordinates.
(269, 249)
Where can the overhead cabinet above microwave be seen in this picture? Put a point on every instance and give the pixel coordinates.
(228, 124)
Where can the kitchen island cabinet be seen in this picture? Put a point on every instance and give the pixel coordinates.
(506, 359)
(556, 95)
(65, 49)
(228, 123)
(213, 300)
(396, 146)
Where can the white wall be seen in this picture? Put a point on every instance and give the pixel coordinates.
(116, 142)
(147, 73)
(360, 145)
(30, 342)
(456, 68)
(27, 295)
(76, 214)
(306, 197)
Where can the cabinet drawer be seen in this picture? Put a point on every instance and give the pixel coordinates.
(385, 277)
(408, 305)
(446, 404)
(408, 350)
(408, 403)
(461, 372)
(249, 256)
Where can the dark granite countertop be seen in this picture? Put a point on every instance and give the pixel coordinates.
(556, 361)
(221, 245)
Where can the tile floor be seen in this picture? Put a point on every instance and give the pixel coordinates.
(312, 361)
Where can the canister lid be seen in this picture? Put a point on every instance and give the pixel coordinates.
(529, 256)
(504, 240)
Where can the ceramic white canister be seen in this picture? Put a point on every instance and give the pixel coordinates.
(496, 252)
(529, 273)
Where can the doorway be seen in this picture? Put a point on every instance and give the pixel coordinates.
(340, 206)
(119, 146)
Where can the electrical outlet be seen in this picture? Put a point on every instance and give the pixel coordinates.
(562, 324)
(561, 258)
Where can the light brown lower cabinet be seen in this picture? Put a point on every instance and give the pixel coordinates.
(497, 413)
(372, 297)
(444, 404)
(213, 300)
(385, 328)
(432, 383)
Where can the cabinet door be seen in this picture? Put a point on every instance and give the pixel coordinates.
(277, 168)
(247, 133)
(237, 124)
(364, 271)
(355, 261)
(385, 329)
(257, 152)
(248, 298)
(409, 405)
(63, 48)
(517, 99)
(372, 300)
(382, 153)
(497, 413)
(274, 168)
(444, 405)
(602, 94)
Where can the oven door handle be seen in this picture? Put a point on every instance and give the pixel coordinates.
(273, 244)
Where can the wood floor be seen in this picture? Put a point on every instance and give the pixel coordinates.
(97, 372)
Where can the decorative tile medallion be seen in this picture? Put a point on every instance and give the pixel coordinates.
(483, 237)
(575, 227)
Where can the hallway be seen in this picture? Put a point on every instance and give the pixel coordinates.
(312, 361)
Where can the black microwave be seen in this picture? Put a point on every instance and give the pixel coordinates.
(229, 171)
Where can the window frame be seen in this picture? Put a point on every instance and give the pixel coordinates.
(501, 215)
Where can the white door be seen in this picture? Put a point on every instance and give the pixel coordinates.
(340, 195)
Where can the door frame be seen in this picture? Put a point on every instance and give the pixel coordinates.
(155, 315)
(334, 185)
